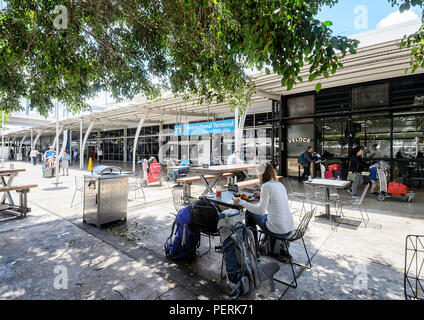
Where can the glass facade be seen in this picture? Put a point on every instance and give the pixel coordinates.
(387, 116)
(256, 143)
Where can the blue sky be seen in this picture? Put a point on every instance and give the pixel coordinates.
(343, 17)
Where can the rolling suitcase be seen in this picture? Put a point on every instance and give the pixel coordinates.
(49, 172)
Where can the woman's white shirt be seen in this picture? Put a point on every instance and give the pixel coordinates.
(274, 201)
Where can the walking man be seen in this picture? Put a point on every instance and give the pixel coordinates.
(33, 155)
(307, 160)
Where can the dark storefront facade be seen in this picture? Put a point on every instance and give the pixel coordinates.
(387, 113)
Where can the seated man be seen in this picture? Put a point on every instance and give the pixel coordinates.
(183, 162)
(234, 159)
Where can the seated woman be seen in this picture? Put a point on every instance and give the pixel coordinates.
(278, 222)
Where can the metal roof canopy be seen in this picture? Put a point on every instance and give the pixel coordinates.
(377, 62)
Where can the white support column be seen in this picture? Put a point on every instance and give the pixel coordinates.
(87, 133)
(32, 139)
(80, 142)
(20, 146)
(161, 138)
(137, 133)
(70, 146)
(64, 141)
(239, 127)
(37, 137)
(125, 144)
(58, 133)
(2, 139)
(98, 141)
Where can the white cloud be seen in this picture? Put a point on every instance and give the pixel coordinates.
(397, 17)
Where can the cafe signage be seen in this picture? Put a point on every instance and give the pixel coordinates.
(299, 140)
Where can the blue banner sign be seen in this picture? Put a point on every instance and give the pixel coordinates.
(205, 128)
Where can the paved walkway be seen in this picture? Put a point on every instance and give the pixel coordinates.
(126, 261)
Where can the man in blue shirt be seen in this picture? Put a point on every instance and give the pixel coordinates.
(50, 156)
(183, 162)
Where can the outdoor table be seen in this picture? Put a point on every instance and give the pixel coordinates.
(11, 173)
(327, 184)
(225, 200)
(218, 172)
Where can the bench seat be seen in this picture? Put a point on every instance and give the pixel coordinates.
(18, 187)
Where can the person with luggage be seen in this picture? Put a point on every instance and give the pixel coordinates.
(33, 155)
(307, 160)
(50, 157)
(356, 166)
(272, 214)
(64, 162)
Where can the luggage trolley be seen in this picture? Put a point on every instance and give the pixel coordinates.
(387, 190)
(151, 172)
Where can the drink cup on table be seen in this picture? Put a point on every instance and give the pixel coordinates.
(236, 199)
(218, 192)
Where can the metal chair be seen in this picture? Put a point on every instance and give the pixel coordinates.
(136, 184)
(413, 278)
(359, 203)
(206, 230)
(79, 186)
(294, 195)
(298, 235)
(178, 198)
(317, 196)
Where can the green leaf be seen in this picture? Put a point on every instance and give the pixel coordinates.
(318, 87)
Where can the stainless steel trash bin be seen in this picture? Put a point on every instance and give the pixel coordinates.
(105, 196)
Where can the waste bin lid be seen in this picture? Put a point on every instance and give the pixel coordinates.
(107, 170)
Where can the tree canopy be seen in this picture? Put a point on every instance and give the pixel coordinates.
(194, 47)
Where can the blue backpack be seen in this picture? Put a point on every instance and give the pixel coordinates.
(184, 238)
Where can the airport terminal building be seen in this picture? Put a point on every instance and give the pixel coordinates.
(370, 101)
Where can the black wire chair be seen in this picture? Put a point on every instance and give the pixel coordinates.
(206, 218)
(413, 278)
(296, 235)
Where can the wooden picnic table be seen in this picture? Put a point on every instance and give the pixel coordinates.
(328, 184)
(11, 173)
(218, 172)
(6, 187)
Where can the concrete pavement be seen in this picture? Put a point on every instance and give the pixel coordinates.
(126, 260)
